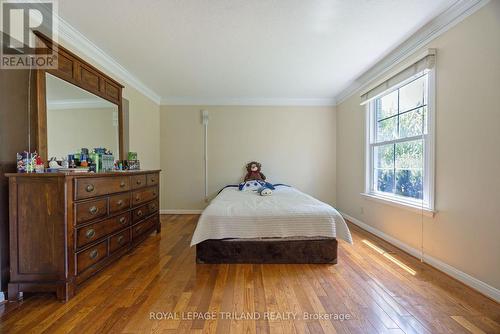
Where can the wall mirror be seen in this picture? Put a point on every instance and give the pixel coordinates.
(77, 106)
(78, 119)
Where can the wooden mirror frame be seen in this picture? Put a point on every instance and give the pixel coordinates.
(80, 73)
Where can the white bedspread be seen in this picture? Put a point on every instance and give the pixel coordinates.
(286, 213)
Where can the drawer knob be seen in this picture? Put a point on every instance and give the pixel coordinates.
(122, 184)
(120, 239)
(154, 193)
(93, 254)
(90, 188)
(137, 197)
(90, 233)
(139, 213)
(138, 181)
(122, 220)
(152, 179)
(93, 210)
(152, 207)
(119, 203)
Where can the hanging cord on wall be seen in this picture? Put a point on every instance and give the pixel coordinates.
(206, 161)
(422, 208)
(204, 117)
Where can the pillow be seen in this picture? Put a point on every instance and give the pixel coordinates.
(253, 185)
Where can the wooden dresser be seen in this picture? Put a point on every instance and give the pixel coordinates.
(65, 227)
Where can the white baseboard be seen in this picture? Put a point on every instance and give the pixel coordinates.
(410, 250)
(180, 212)
(468, 280)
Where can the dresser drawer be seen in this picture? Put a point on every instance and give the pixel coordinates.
(144, 195)
(119, 240)
(152, 179)
(140, 213)
(91, 256)
(90, 233)
(119, 203)
(97, 186)
(91, 210)
(138, 181)
(144, 211)
(153, 206)
(143, 227)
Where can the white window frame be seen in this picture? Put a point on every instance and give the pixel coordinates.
(427, 204)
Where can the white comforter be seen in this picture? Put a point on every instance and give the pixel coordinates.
(286, 213)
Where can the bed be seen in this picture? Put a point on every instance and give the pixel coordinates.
(287, 227)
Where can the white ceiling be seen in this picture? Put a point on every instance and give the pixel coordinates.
(198, 50)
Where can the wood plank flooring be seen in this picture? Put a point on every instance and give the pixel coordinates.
(158, 288)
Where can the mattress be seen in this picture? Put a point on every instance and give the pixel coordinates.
(288, 212)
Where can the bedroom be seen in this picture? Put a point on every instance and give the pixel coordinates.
(375, 122)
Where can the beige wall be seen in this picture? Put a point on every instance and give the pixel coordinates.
(144, 128)
(68, 130)
(465, 232)
(296, 146)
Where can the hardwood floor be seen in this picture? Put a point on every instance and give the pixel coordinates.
(380, 288)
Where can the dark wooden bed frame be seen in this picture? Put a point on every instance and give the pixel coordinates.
(311, 250)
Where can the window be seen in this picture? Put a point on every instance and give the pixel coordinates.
(400, 142)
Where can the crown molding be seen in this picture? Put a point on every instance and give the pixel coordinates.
(437, 26)
(434, 28)
(79, 104)
(75, 40)
(193, 101)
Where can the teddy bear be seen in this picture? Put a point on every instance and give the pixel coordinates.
(253, 172)
(255, 180)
